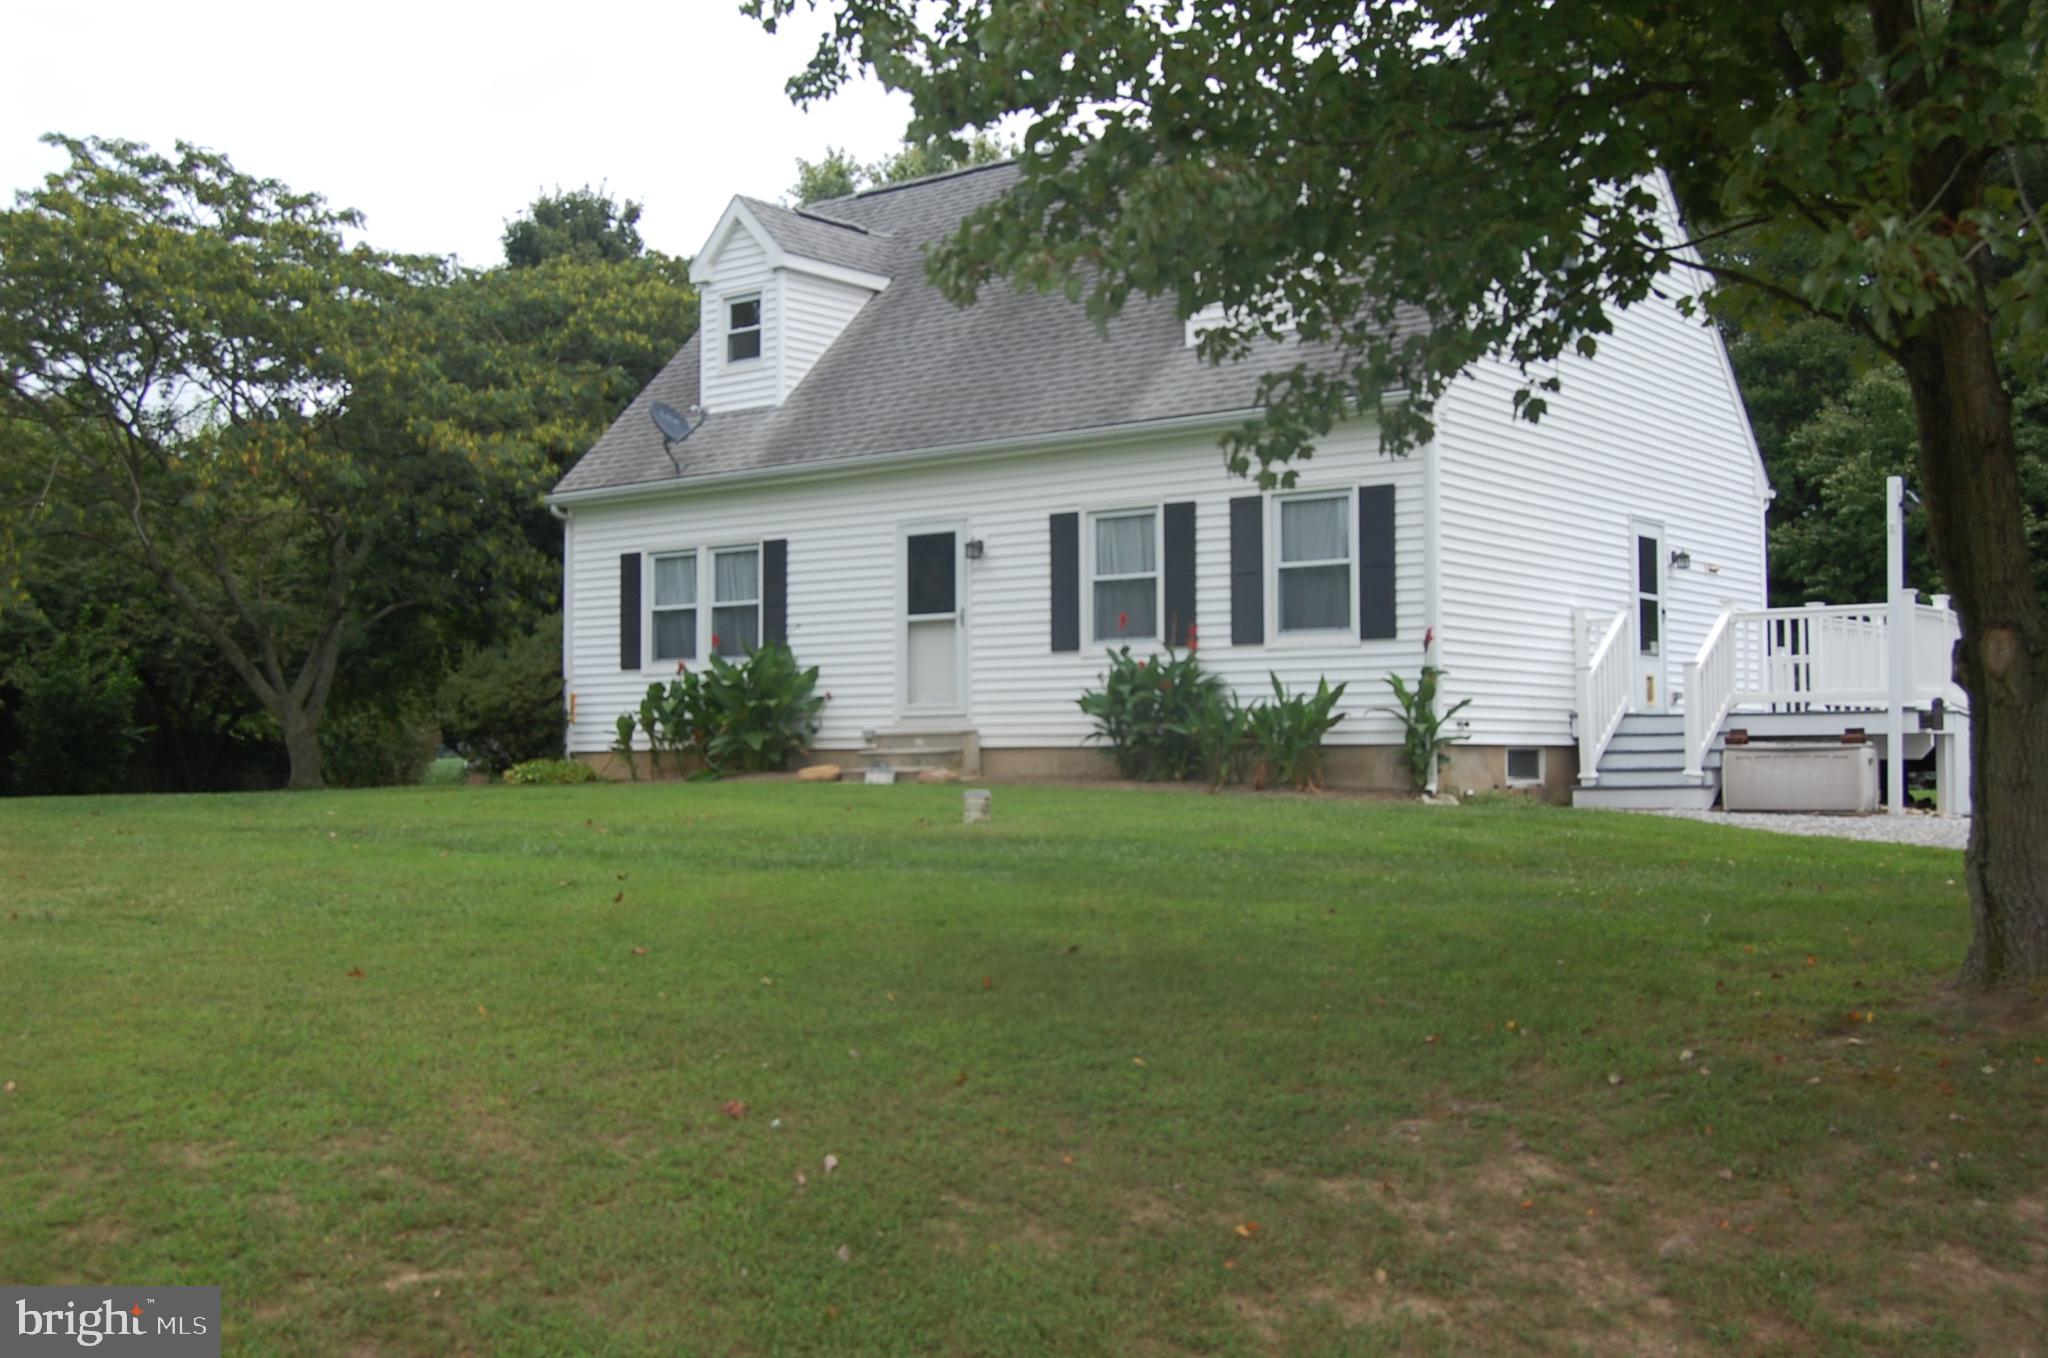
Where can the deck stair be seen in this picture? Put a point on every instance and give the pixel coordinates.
(1643, 767)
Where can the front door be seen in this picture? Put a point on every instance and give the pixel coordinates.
(934, 651)
(1647, 578)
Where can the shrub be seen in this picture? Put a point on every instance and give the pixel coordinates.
(503, 704)
(747, 716)
(758, 713)
(1221, 732)
(1287, 734)
(375, 746)
(76, 711)
(539, 772)
(1150, 713)
(1423, 740)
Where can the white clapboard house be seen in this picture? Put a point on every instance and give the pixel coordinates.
(953, 513)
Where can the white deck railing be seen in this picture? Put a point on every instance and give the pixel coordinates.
(1605, 668)
(1709, 691)
(1823, 657)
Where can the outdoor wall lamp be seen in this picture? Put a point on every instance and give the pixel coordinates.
(973, 549)
(1681, 560)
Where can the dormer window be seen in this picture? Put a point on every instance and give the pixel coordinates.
(743, 328)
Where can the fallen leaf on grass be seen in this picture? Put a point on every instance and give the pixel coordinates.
(845, 1253)
(355, 973)
(8, 1088)
(620, 897)
(639, 952)
(1248, 1229)
(802, 1179)
(1528, 1203)
(1430, 1039)
(988, 983)
(482, 1012)
(1137, 1060)
(734, 1108)
(831, 1163)
(1379, 1275)
(960, 1079)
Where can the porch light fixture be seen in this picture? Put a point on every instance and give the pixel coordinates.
(973, 549)
(1681, 560)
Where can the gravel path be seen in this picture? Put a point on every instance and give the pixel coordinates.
(1915, 827)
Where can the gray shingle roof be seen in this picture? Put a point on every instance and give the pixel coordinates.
(914, 372)
(813, 235)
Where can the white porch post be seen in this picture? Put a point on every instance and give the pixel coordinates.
(1899, 636)
(1582, 688)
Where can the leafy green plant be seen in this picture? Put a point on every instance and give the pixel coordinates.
(1287, 734)
(756, 714)
(540, 772)
(669, 714)
(503, 704)
(1220, 730)
(378, 744)
(1424, 737)
(1148, 713)
(76, 712)
(622, 744)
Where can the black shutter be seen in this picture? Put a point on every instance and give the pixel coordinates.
(775, 590)
(629, 610)
(1375, 562)
(1179, 561)
(1066, 582)
(1248, 571)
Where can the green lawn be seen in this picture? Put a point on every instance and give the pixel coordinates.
(437, 1070)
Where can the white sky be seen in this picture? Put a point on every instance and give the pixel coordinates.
(438, 120)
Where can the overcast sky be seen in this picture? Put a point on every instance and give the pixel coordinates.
(441, 120)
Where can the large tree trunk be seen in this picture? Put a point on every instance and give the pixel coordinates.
(302, 747)
(1970, 478)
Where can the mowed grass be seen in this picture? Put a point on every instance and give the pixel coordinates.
(438, 1071)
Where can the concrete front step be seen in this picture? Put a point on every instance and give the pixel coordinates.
(912, 751)
(1608, 797)
(1672, 775)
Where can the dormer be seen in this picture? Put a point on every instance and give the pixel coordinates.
(777, 287)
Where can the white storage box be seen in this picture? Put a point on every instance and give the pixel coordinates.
(1802, 777)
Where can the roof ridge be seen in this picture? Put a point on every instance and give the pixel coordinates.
(809, 214)
(935, 177)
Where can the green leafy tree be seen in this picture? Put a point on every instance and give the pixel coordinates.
(836, 175)
(234, 397)
(586, 224)
(839, 174)
(1493, 167)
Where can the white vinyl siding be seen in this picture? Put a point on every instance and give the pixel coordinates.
(815, 310)
(844, 598)
(1124, 577)
(1536, 518)
(741, 272)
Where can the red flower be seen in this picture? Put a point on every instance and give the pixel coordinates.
(1141, 664)
(1191, 638)
(714, 641)
(682, 667)
(1123, 621)
(1428, 637)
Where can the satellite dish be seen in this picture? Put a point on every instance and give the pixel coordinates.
(670, 422)
(674, 429)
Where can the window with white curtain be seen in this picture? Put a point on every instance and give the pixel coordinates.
(1125, 568)
(1314, 567)
(674, 607)
(735, 600)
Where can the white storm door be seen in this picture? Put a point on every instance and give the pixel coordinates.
(934, 649)
(1646, 630)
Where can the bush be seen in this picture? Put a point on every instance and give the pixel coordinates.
(373, 746)
(541, 772)
(748, 717)
(1150, 714)
(503, 705)
(1287, 734)
(1423, 740)
(76, 711)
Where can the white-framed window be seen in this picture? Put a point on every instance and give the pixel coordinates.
(735, 600)
(673, 607)
(1314, 579)
(1525, 767)
(1124, 576)
(743, 328)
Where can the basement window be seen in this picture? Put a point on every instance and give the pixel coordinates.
(1525, 768)
(743, 328)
